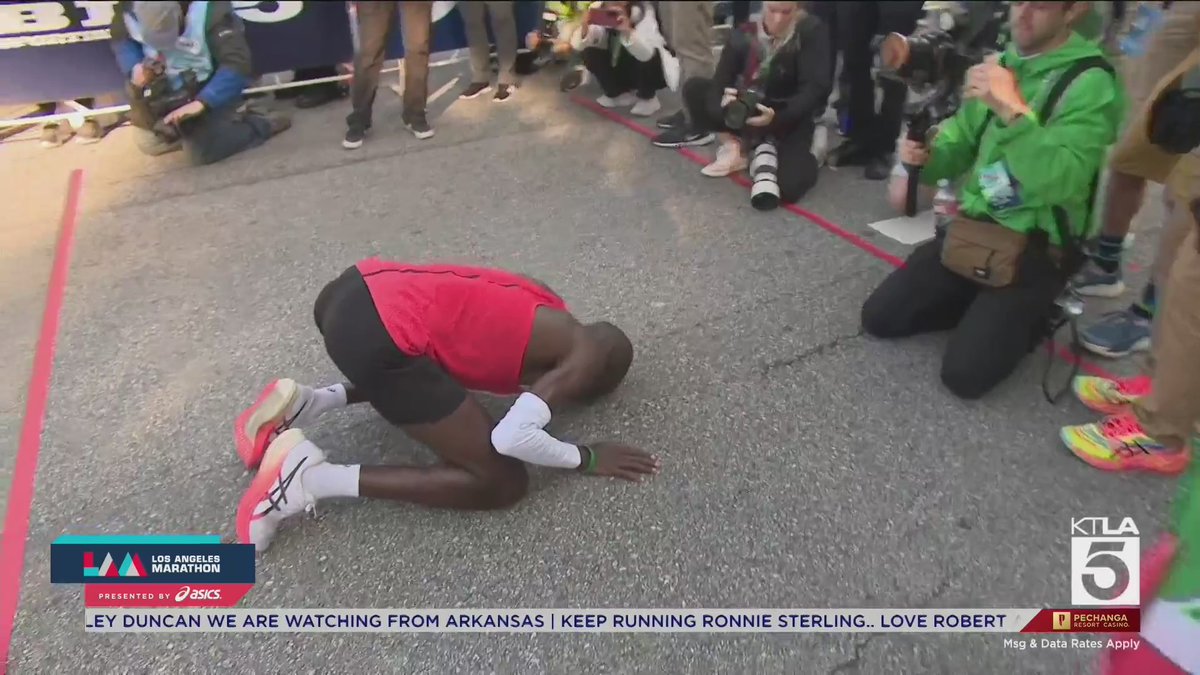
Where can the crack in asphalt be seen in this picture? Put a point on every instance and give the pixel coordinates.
(852, 664)
(816, 350)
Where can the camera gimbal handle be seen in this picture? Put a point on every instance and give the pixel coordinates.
(918, 130)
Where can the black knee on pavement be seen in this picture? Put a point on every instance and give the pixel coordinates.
(961, 376)
(875, 319)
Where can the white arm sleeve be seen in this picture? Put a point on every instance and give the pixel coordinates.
(520, 436)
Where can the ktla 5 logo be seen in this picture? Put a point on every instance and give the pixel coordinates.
(189, 593)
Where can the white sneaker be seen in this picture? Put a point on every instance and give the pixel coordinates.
(646, 107)
(283, 405)
(729, 160)
(820, 144)
(277, 491)
(626, 99)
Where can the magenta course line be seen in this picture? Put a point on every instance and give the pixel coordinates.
(20, 497)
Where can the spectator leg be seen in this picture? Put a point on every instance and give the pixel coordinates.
(689, 31)
(417, 23)
(702, 100)
(1172, 409)
(920, 297)
(599, 63)
(998, 328)
(376, 21)
(223, 132)
(474, 17)
(645, 77)
(856, 23)
(504, 26)
(797, 167)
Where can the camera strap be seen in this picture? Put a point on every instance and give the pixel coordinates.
(1073, 255)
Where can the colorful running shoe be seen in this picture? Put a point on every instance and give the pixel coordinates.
(1110, 396)
(279, 407)
(277, 491)
(1118, 443)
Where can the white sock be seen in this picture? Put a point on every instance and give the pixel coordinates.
(329, 398)
(331, 480)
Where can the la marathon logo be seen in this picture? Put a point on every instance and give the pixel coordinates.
(1105, 562)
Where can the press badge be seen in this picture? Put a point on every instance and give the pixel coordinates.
(998, 187)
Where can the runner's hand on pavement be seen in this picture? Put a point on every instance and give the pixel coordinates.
(138, 76)
(623, 461)
(728, 96)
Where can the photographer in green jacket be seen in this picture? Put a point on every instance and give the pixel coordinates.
(1027, 180)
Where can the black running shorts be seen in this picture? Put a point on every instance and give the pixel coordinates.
(404, 389)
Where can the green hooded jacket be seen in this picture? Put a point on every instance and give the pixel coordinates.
(1048, 162)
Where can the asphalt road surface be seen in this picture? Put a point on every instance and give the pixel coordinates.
(805, 465)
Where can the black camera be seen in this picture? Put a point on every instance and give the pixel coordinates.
(951, 38)
(161, 98)
(742, 107)
(933, 63)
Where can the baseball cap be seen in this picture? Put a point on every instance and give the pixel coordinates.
(160, 23)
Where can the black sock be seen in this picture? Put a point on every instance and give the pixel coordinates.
(1145, 307)
(1108, 253)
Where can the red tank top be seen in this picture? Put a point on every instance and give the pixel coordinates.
(474, 322)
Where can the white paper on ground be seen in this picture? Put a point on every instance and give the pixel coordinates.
(907, 230)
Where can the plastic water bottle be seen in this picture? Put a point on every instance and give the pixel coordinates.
(1147, 19)
(945, 206)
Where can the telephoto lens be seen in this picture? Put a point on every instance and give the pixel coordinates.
(764, 166)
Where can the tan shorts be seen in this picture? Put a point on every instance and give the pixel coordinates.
(1172, 51)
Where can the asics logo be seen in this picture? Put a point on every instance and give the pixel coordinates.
(189, 593)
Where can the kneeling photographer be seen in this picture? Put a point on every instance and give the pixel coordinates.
(772, 80)
(1029, 143)
(187, 64)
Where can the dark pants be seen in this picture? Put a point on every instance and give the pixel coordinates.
(644, 78)
(797, 171)
(993, 328)
(857, 24)
(826, 11)
(207, 138)
(376, 25)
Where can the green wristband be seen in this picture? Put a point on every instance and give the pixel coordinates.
(591, 463)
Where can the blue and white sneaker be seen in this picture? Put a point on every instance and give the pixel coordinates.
(1117, 334)
(1093, 282)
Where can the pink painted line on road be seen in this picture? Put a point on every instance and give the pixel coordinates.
(815, 218)
(20, 496)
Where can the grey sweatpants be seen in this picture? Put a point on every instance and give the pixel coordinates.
(504, 27)
(688, 30)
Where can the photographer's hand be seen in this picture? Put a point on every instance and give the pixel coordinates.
(183, 112)
(765, 118)
(913, 153)
(138, 76)
(997, 87)
(624, 25)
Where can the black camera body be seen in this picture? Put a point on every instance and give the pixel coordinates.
(933, 63)
(952, 37)
(161, 98)
(742, 107)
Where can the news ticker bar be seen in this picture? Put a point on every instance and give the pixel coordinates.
(243, 620)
